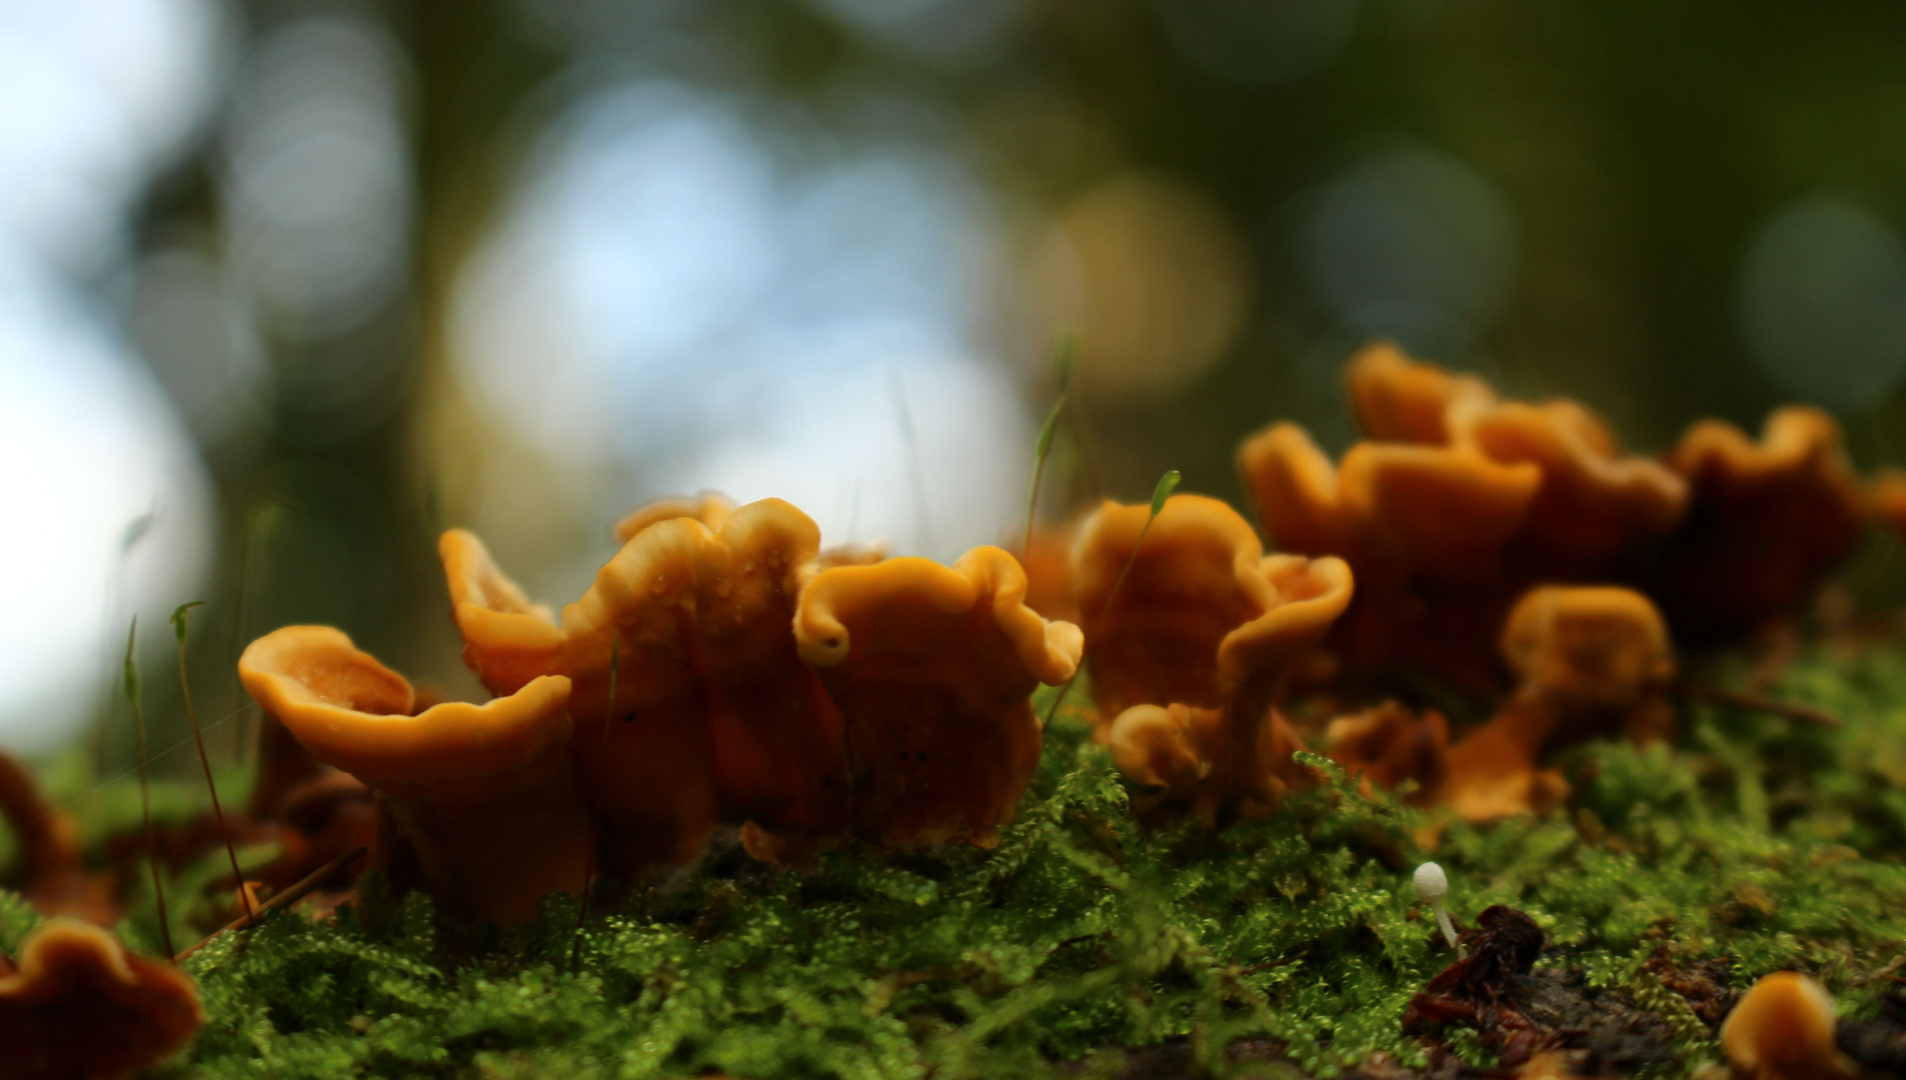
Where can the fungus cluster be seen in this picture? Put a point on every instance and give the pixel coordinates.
(1456, 501)
(1590, 661)
(725, 669)
(722, 669)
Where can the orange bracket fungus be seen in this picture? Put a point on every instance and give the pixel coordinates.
(710, 508)
(82, 1007)
(730, 705)
(714, 714)
(507, 639)
(1889, 500)
(933, 669)
(1388, 744)
(1194, 581)
(1424, 527)
(1455, 501)
(1767, 521)
(1189, 658)
(1592, 661)
(484, 794)
(1783, 1029)
(1592, 502)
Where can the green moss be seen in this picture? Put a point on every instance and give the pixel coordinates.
(1759, 839)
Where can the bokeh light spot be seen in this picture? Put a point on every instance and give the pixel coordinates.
(92, 447)
(676, 300)
(1821, 302)
(1413, 245)
(1154, 275)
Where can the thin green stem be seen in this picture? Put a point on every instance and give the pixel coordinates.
(263, 511)
(1166, 485)
(145, 785)
(1065, 350)
(180, 625)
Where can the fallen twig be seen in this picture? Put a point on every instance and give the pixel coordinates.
(1744, 699)
(284, 899)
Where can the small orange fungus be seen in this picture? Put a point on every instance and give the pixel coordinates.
(1592, 661)
(1783, 1029)
(1190, 652)
(710, 508)
(484, 793)
(932, 668)
(80, 1006)
(713, 714)
(1888, 497)
(1455, 501)
(1195, 580)
(1767, 522)
(1388, 744)
(1592, 502)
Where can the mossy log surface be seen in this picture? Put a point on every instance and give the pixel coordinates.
(1086, 946)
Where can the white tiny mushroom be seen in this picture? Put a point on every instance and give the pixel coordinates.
(1432, 885)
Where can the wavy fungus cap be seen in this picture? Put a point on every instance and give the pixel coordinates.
(82, 1007)
(1190, 655)
(1590, 503)
(1158, 745)
(507, 639)
(1307, 596)
(1768, 520)
(1593, 504)
(933, 667)
(483, 794)
(708, 711)
(354, 714)
(1888, 498)
(712, 709)
(1193, 582)
(711, 508)
(1388, 744)
(1584, 647)
(1397, 399)
(1390, 508)
(1493, 772)
(1783, 1029)
(1592, 660)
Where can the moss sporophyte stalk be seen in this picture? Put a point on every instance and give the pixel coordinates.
(834, 813)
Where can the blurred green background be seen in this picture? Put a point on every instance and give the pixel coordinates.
(344, 274)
